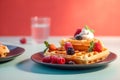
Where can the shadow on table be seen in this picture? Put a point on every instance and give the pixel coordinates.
(30, 66)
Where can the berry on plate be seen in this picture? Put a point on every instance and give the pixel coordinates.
(67, 45)
(70, 51)
(97, 47)
(77, 31)
(61, 60)
(46, 59)
(23, 41)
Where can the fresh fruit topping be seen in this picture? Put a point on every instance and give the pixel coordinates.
(95, 46)
(23, 41)
(70, 62)
(77, 31)
(54, 59)
(46, 59)
(51, 47)
(67, 45)
(78, 37)
(87, 28)
(61, 60)
(70, 51)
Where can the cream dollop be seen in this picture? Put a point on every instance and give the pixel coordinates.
(86, 34)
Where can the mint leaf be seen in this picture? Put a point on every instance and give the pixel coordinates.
(47, 46)
(46, 43)
(91, 46)
(45, 49)
(87, 28)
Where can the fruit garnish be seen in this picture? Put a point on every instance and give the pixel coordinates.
(87, 28)
(50, 46)
(23, 40)
(54, 59)
(95, 46)
(70, 51)
(77, 31)
(67, 45)
(61, 60)
(78, 37)
(46, 59)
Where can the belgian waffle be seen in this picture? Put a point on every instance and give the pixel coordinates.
(81, 45)
(3, 50)
(80, 57)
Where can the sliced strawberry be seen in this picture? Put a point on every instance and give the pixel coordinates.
(61, 60)
(77, 31)
(67, 45)
(97, 47)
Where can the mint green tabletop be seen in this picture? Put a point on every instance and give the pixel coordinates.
(23, 68)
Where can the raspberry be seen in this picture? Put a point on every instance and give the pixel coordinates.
(68, 44)
(77, 31)
(23, 41)
(46, 59)
(53, 59)
(61, 60)
(97, 47)
(70, 51)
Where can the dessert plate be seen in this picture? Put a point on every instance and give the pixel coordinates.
(38, 57)
(14, 52)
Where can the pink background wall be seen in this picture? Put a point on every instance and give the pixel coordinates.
(66, 15)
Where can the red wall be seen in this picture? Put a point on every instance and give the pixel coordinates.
(66, 15)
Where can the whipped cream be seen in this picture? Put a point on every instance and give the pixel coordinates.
(86, 34)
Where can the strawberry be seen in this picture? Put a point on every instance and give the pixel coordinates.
(67, 45)
(61, 60)
(97, 47)
(52, 47)
(77, 31)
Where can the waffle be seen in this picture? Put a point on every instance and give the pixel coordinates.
(80, 57)
(3, 50)
(81, 45)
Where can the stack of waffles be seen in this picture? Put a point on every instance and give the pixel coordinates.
(82, 48)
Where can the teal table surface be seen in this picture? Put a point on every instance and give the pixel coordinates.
(23, 68)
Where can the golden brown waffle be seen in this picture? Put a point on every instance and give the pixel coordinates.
(3, 50)
(81, 57)
(81, 45)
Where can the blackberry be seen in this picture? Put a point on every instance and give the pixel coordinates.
(70, 51)
(78, 37)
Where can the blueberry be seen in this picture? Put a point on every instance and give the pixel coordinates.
(70, 51)
(78, 37)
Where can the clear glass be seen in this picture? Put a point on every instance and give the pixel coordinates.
(40, 28)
